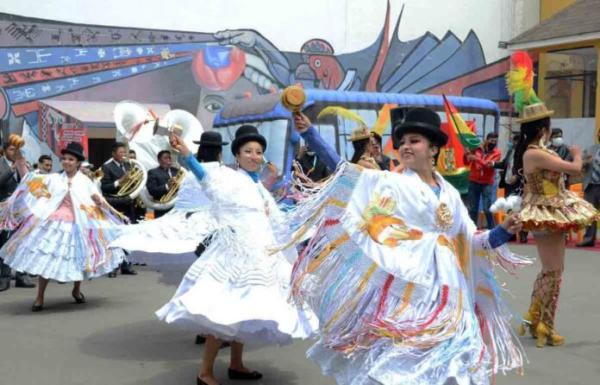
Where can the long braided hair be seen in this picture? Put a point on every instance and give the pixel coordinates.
(531, 132)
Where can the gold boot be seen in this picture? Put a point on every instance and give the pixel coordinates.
(547, 336)
(532, 317)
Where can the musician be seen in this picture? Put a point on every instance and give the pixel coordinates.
(161, 179)
(116, 173)
(45, 164)
(13, 167)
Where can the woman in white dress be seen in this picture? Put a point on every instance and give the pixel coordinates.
(178, 236)
(401, 281)
(62, 226)
(238, 289)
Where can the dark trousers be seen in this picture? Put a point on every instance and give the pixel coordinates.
(592, 195)
(4, 269)
(483, 193)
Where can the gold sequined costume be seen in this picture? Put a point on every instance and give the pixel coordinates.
(548, 206)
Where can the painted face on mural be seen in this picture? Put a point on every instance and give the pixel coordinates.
(250, 156)
(212, 101)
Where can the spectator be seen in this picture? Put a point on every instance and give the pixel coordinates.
(131, 154)
(384, 162)
(511, 183)
(557, 145)
(44, 164)
(591, 188)
(311, 165)
(481, 179)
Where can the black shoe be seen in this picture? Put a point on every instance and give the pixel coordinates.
(127, 270)
(23, 280)
(80, 299)
(589, 243)
(112, 274)
(4, 284)
(37, 308)
(200, 339)
(235, 375)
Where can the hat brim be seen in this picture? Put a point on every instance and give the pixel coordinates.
(546, 114)
(360, 137)
(431, 132)
(210, 143)
(77, 155)
(240, 141)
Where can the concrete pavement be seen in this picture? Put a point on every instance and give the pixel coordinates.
(115, 338)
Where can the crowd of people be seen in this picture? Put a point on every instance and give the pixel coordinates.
(383, 262)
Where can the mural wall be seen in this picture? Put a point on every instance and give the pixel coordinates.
(199, 72)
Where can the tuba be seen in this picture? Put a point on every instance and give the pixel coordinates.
(167, 201)
(135, 182)
(134, 121)
(184, 124)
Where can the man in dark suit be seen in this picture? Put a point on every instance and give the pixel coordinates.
(12, 169)
(312, 166)
(161, 179)
(115, 175)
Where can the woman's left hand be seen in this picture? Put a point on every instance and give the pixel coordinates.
(512, 224)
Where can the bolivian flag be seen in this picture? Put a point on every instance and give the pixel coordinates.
(460, 137)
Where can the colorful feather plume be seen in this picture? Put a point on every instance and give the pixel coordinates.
(342, 112)
(519, 80)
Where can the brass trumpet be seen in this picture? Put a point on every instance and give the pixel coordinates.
(134, 182)
(168, 197)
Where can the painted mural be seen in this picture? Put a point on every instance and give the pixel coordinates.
(200, 72)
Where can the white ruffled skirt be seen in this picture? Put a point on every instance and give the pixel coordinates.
(238, 292)
(61, 250)
(170, 239)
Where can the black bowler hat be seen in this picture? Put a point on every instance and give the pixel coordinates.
(211, 139)
(245, 134)
(419, 120)
(75, 149)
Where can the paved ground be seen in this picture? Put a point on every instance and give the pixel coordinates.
(115, 339)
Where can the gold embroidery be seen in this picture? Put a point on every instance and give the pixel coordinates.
(443, 217)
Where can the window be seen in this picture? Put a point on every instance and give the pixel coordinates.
(570, 82)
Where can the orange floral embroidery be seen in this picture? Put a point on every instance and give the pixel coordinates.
(384, 228)
(38, 188)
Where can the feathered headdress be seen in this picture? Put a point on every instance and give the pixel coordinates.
(519, 81)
